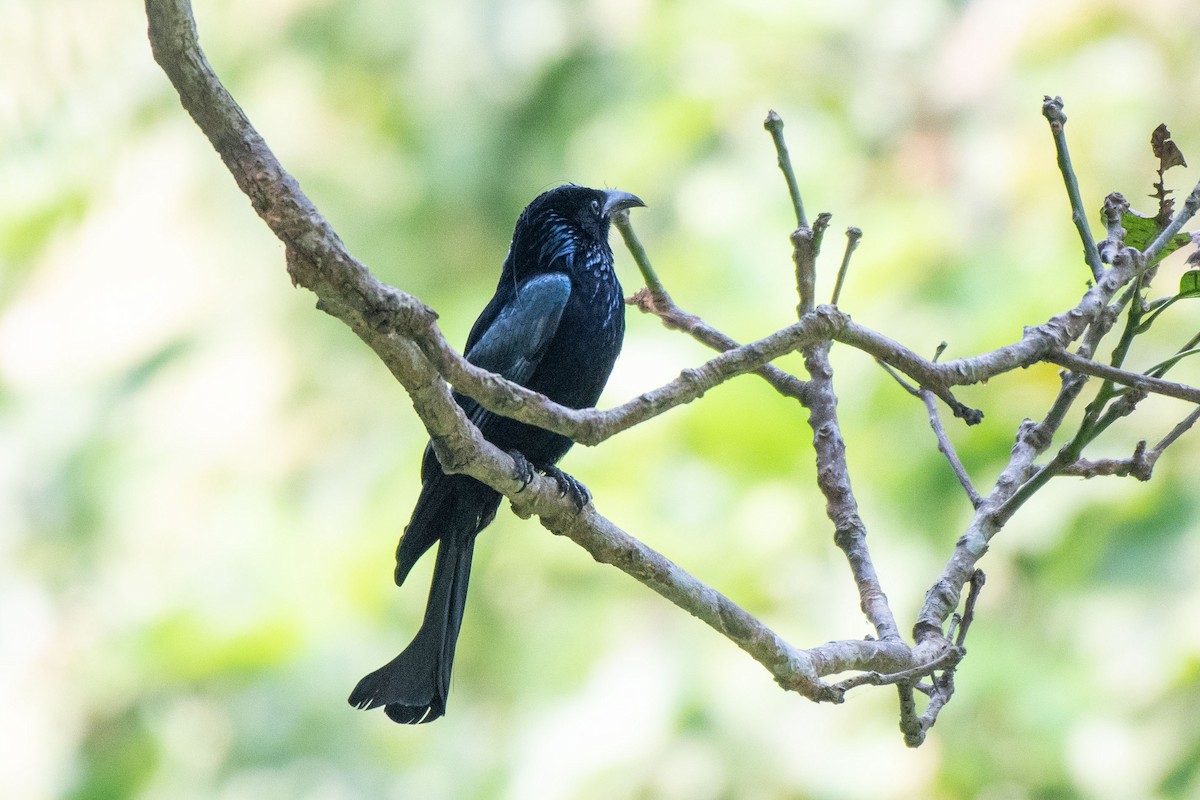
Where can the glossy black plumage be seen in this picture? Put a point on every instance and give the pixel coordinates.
(555, 325)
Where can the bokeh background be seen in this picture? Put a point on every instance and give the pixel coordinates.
(202, 478)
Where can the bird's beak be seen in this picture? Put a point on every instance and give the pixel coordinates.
(616, 200)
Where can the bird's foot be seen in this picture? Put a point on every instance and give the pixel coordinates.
(524, 471)
(568, 485)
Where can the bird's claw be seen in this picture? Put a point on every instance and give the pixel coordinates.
(569, 486)
(524, 469)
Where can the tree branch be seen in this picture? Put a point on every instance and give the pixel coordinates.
(1052, 110)
(404, 333)
(774, 126)
(1134, 380)
(945, 446)
(853, 237)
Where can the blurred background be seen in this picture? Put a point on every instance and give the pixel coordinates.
(202, 479)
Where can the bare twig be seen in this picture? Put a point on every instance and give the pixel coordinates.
(1137, 465)
(774, 125)
(898, 378)
(942, 598)
(945, 446)
(640, 257)
(1052, 110)
(804, 257)
(853, 237)
(944, 661)
(1189, 348)
(1141, 464)
(968, 616)
(1179, 430)
(819, 226)
(1134, 380)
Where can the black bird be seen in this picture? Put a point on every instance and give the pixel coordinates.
(554, 325)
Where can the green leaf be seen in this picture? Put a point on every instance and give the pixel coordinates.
(1189, 283)
(1177, 241)
(1140, 231)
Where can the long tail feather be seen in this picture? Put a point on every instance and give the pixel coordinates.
(414, 685)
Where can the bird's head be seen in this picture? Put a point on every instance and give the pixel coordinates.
(564, 219)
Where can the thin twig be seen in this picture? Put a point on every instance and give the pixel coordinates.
(941, 690)
(1134, 380)
(1140, 465)
(1052, 110)
(1175, 433)
(1137, 465)
(898, 378)
(1188, 349)
(945, 446)
(640, 256)
(942, 598)
(944, 661)
(774, 125)
(853, 236)
(819, 226)
(977, 581)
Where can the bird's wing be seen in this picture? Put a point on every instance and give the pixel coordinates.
(514, 343)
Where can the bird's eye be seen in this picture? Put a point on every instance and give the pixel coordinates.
(596, 206)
